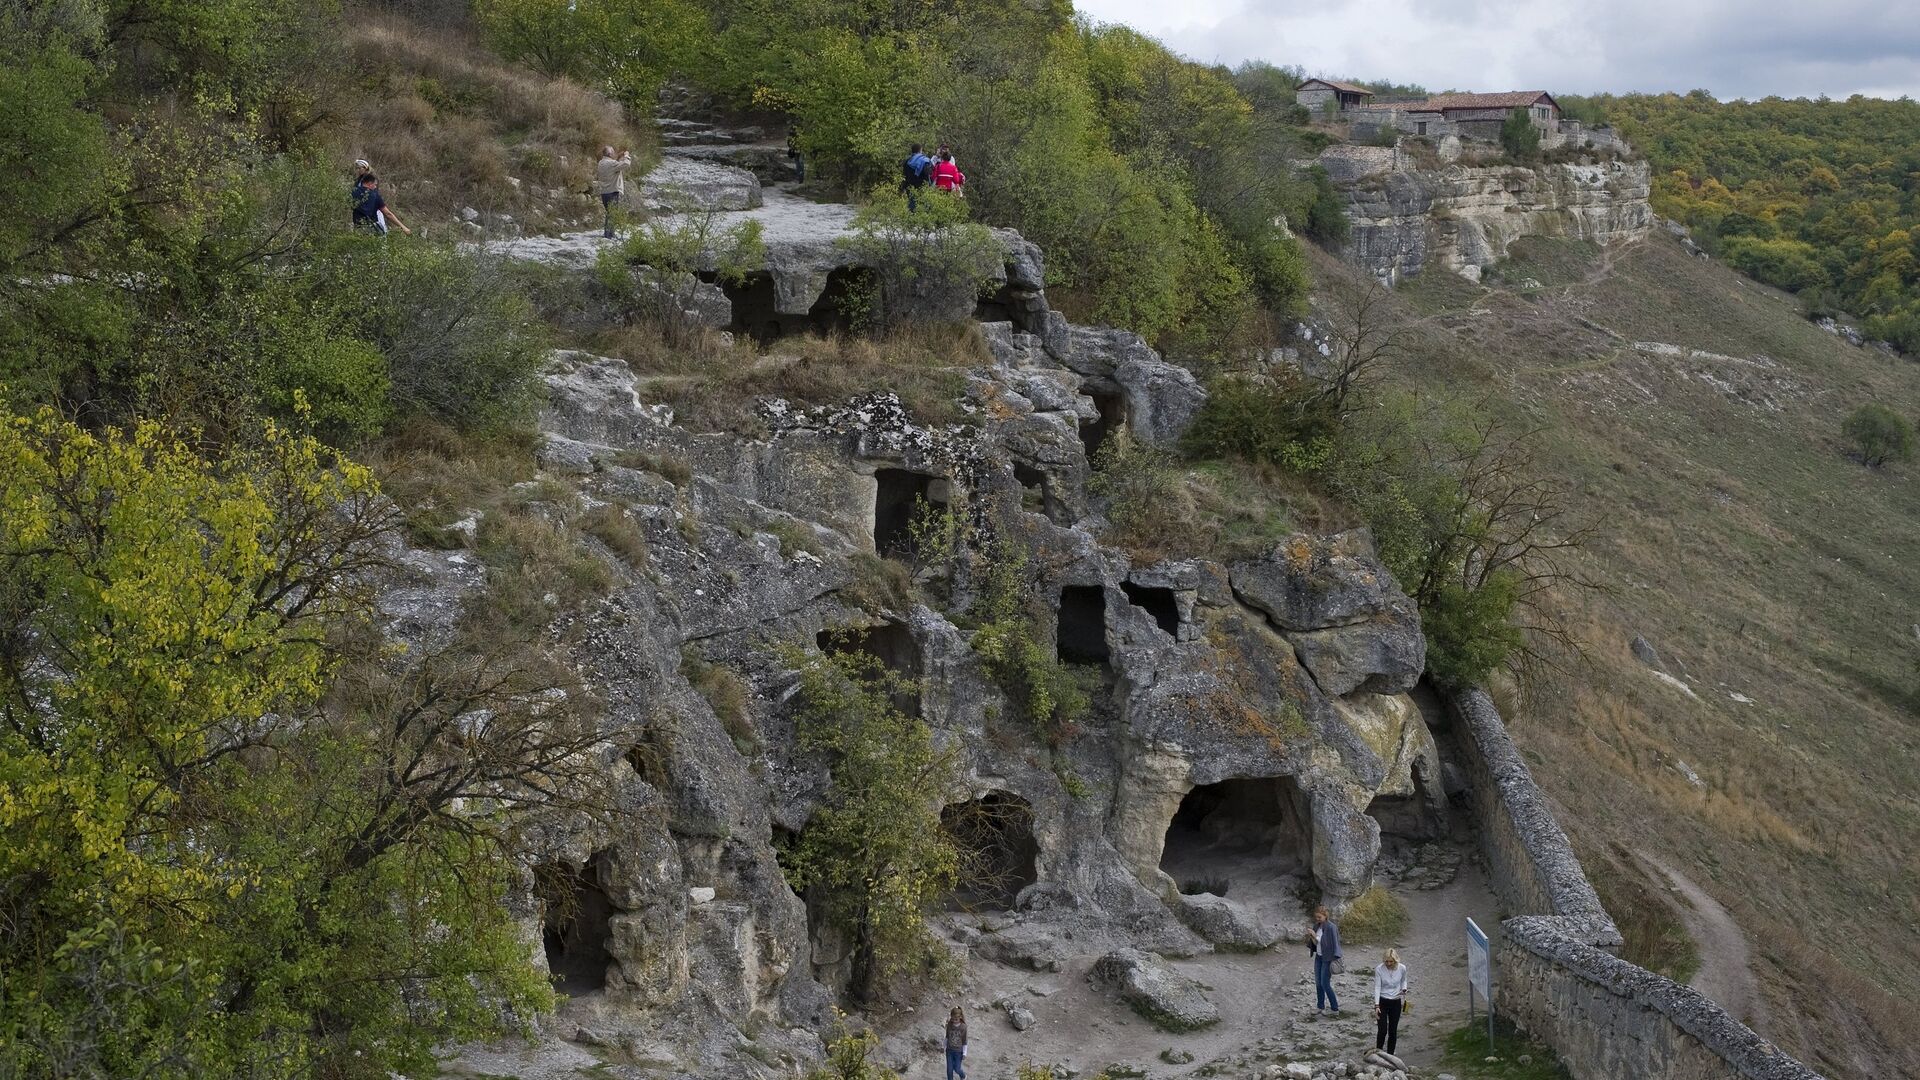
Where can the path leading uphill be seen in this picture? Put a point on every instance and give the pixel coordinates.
(1726, 961)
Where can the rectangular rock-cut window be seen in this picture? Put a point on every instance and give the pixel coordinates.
(1082, 632)
(901, 494)
(1158, 602)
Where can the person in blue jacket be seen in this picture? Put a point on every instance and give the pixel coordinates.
(1323, 941)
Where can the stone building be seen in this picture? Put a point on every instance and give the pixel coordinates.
(1316, 93)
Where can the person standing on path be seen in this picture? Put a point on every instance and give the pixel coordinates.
(914, 173)
(1323, 941)
(1389, 998)
(610, 180)
(956, 1044)
(947, 176)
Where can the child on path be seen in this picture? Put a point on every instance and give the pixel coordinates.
(1389, 998)
(610, 180)
(956, 1044)
(947, 176)
(1323, 941)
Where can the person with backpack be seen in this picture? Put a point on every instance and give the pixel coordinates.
(610, 180)
(947, 176)
(370, 209)
(915, 171)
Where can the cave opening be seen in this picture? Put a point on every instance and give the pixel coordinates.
(1158, 602)
(1081, 637)
(1112, 409)
(1411, 817)
(1037, 493)
(900, 494)
(998, 853)
(891, 645)
(1246, 837)
(575, 924)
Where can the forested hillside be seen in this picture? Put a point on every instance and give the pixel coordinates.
(1818, 197)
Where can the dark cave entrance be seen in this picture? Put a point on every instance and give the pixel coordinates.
(998, 854)
(898, 496)
(1413, 817)
(1081, 637)
(1037, 489)
(890, 644)
(1241, 836)
(1158, 602)
(757, 314)
(1112, 407)
(574, 924)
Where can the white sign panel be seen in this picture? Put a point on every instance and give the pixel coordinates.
(1478, 968)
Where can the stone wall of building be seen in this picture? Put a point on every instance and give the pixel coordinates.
(1555, 972)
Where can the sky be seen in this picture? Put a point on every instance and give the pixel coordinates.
(1732, 48)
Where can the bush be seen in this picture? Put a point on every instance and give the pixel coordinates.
(1470, 631)
(1148, 501)
(1878, 434)
(928, 264)
(1377, 917)
(1009, 639)
(1519, 137)
(1275, 420)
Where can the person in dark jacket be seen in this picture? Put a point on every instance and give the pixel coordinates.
(956, 1044)
(1323, 941)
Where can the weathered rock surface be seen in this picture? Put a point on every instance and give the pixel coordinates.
(1168, 999)
(1340, 608)
(680, 184)
(1463, 218)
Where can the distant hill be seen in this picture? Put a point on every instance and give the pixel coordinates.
(1821, 198)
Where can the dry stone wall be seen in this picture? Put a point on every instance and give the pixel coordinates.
(1556, 975)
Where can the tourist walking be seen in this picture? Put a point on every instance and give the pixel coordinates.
(1389, 998)
(610, 180)
(956, 1044)
(947, 176)
(915, 171)
(370, 209)
(1323, 941)
(793, 155)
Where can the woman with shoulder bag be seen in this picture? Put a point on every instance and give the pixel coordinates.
(1323, 941)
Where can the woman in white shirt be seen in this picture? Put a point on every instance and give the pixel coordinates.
(1389, 997)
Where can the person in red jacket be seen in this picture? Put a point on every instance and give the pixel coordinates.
(947, 176)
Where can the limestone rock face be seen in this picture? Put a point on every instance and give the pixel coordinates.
(680, 184)
(1168, 999)
(1271, 687)
(1462, 218)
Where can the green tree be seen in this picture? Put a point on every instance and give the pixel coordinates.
(237, 836)
(628, 46)
(1520, 136)
(928, 263)
(874, 849)
(1878, 434)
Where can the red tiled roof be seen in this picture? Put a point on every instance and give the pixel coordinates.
(1348, 87)
(1516, 99)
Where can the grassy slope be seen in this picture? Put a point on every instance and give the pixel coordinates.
(1759, 560)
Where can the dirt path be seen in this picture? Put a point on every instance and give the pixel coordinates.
(1726, 964)
(1265, 1001)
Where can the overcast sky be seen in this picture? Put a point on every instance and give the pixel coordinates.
(1735, 49)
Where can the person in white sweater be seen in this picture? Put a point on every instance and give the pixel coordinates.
(1389, 997)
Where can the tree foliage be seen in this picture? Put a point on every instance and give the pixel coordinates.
(237, 837)
(1821, 197)
(874, 851)
(1878, 434)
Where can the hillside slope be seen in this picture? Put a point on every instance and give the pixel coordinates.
(1768, 748)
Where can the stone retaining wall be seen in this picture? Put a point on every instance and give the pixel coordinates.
(1555, 972)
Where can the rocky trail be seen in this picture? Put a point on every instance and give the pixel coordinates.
(1265, 1001)
(1726, 963)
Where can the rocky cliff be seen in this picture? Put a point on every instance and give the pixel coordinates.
(1256, 710)
(1406, 218)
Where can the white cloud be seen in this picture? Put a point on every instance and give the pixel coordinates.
(1733, 48)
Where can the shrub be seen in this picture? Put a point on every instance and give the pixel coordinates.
(1470, 631)
(726, 693)
(1519, 137)
(1377, 917)
(1148, 501)
(674, 253)
(1878, 434)
(1276, 420)
(928, 264)
(1008, 638)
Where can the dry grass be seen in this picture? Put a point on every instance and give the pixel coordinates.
(446, 123)
(1759, 561)
(713, 386)
(1377, 918)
